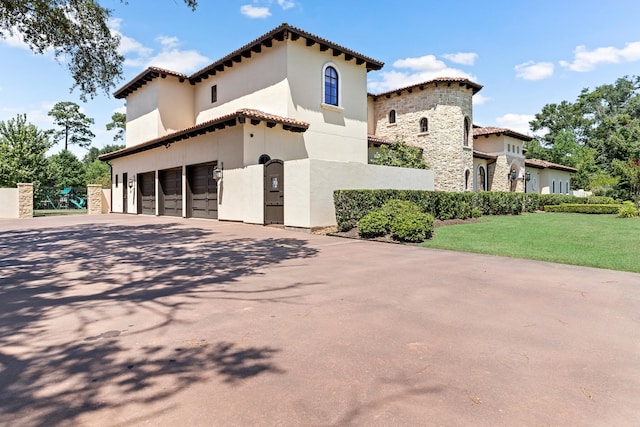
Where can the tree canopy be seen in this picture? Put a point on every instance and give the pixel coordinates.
(599, 134)
(74, 30)
(399, 154)
(23, 149)
(74, 125)
(119, 123)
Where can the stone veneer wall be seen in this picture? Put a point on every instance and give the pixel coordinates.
(502, 169)
(94, 199)
(25, 200)
(445, 107)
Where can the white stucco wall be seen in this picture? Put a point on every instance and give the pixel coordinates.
(9, 203)
(309, 185)
(241, 195)
(258, 82)
(275, 142)
(143, 117)
(175, 105)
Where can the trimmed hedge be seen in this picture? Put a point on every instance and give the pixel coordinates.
(584, 208)
(352, 205)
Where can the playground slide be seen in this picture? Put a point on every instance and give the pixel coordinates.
(79, 202)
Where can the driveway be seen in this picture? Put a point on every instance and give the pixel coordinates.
(129, 320)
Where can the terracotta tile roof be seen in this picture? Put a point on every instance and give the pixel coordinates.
(240, 116)
(486, 131)
(483, 155)
(143, 78)
(543, 164)
(279, 33)
(447, 80)
(373, 139)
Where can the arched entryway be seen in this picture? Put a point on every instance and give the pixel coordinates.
(274, 192)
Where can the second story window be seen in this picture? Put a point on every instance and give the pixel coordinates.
(214, 93)
(392, 116)
(467, 128)
(424, 125)
(331, 86)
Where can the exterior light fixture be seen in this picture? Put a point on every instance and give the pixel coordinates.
(513, 175)
(130, 182)
(218, 172)
(527, 176)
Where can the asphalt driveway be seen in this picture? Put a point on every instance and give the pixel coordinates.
(124, 320)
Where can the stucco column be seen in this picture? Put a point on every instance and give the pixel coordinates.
(94, 199)
(25, 200)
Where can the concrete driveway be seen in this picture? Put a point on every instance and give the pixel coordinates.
(125, 321)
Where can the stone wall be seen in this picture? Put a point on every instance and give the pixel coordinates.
(94, 199)
(445, 107)
(25, 200)
(502, 171)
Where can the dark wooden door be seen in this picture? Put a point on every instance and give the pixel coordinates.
(274, 192)
(203, 191)
(125, 193)
(147, 193)
(171, 186)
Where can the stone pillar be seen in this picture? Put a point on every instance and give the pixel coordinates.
(25, 200)
(94, 199)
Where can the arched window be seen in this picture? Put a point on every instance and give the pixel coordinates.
(424, 125)
(467, 174)
(392, 116)
(553, 187)
(467, 126)
(560, 187)
(567, 186)
(331, 86)
(482, 179)
(264, 158)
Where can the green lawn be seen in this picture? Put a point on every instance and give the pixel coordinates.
(603, 241)
(56, 212)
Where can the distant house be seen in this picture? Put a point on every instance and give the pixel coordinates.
(267, 133)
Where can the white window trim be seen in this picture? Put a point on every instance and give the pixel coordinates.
(338, 107)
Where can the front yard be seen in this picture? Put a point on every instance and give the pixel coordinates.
(602, 241)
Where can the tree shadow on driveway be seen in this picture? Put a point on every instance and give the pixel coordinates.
(96, 271)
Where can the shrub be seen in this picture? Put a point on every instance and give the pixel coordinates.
(584, 208)
(394, 208)
(412, 226)
(476, 213)
(373, 224)
(600, 200)
(628, 210)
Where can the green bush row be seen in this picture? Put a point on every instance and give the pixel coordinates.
(584, 208)
(352, 205)
(628, 210)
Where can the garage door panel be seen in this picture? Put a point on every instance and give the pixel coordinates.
(203, 189)
(147, 198)
(171, 186)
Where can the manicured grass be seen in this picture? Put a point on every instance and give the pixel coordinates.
(603, 241)
(55, 212)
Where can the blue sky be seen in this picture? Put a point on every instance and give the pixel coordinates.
(525, 53)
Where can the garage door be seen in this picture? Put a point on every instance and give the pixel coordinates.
(203, 191)
(147, 193)
(171, 197)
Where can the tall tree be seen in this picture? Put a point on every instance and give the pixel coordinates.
(76, 30)
(97, 171)
(74, 125)
(118, 122)
(23, 149)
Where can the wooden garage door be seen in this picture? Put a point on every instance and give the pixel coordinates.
(203, 191)
(171, 187)
(147, 193)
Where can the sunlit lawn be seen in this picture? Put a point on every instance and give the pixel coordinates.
(55, 212)
(603, 241)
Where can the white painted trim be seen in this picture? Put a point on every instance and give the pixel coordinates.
(335, 67)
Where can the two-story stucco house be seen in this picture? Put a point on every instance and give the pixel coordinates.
(263, 135)
(267, 133)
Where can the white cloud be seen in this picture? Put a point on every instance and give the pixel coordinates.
(534, 70)
(480, 99)
(516, 122)
(13, 39)
(255, 12)
(585, 60)
(122, 110)
(286, 4)
(421, 69)
(183, 61)
(168, 42)
(463, 58)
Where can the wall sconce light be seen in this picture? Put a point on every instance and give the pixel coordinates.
(130, 182)
(218, 172)
(527, 176)
(513, 175)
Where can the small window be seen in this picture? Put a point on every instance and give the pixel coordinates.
(567, 186)
(553, 187)
(467, 174)
(509, 148)
(482, 179)
(424, 125)
(392, 116)
(214, 93)
(560, 187)
(518, 149)
(264, 158)
(331, 86)
(467, 126)
(116, 180)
